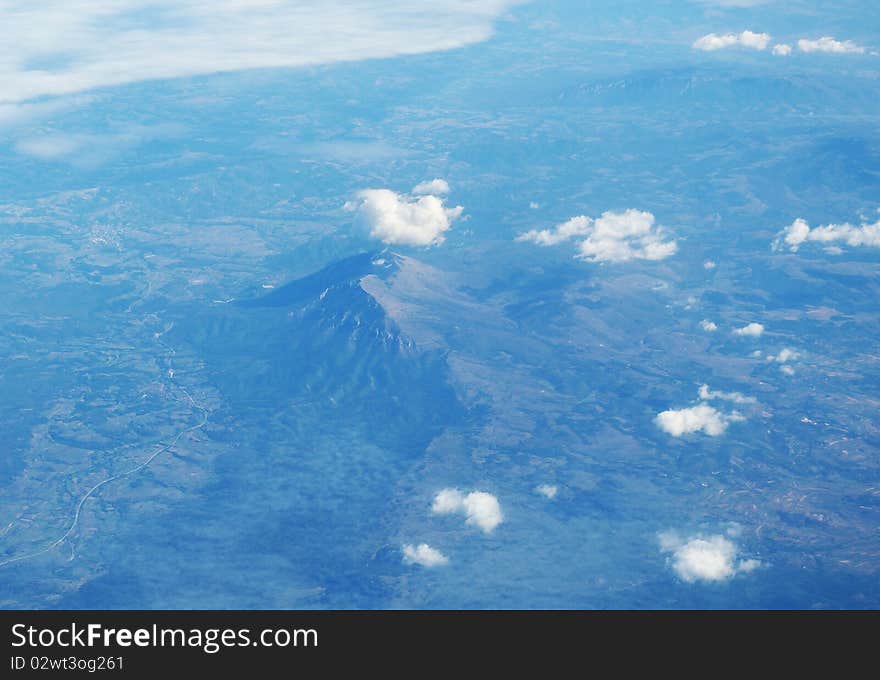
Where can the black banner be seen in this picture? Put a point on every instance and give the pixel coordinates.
(146, 644)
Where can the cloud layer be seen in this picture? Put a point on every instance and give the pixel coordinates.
(799, 232)
(712, 558)
(400, 219)
(480, 508)
(58, 47)
(613, 237)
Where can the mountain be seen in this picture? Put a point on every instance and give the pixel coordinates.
(324, 341)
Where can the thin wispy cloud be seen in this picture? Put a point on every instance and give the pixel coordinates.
(736, 397)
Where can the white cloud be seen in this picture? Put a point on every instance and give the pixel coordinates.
(576, 226)
(709, 264)
(448, 501)
(404, 220)
(751, 330)
(829, 45)
(90, 149)
(699, 418)
(702, 417)
(708, 326)
(711, 558)
(436, 187)
(788, 370)
(799, 233)
(59, 47)
(735, 397)
(547, 490)
(52, 147)
(785, 355)
(424, 555)
(714, 41)
(480, 508)
(613, 237)
(782, 50)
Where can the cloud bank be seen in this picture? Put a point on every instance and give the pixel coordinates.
(799, 232)
(58, 47)
(480, 508)
(613, 237)
(714, 41)
(424, 555)
(713, 558)
(400, 219)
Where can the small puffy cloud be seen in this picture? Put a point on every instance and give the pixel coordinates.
(700, 418)
(399, 219)
(424, 555)
(547, 490)
(447, 501)
(788, 370)
(709, 264)
(737, 398)
(785, 355)
(829, 45)
(576, 226)
(750, 330)
(710, 558)
(799, 232)
(714, 41)
(782, 50)
(435, 187)
(708, 326)
(480, 508)
(617, 237)
(613, 237)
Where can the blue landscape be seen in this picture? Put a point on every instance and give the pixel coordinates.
(473, 305)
